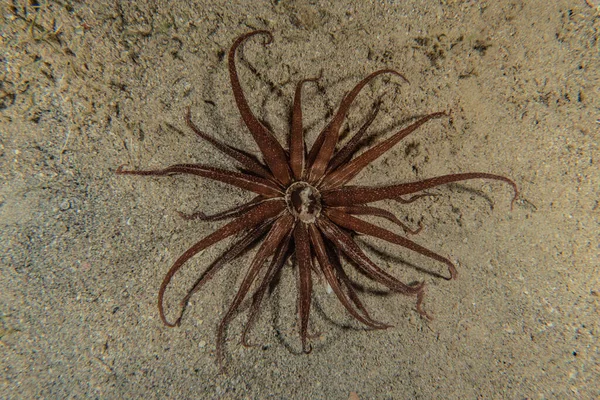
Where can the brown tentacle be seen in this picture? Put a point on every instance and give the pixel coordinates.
(378, 212)
(297, 134)
(255, 216)
(273, 153)
(349, 222)
(232, 253)
(351, 195)
(331, 132)
(276, 264)
(345, 173)
(231, 213)
(243, 181)
(305, 261)
(345, 280)
(312, 154)
(345, 243)
(334, 281)
(346, 153)
(247, 161)
(414, 198)
(277, 233)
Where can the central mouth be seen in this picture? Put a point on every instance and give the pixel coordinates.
(303, 201)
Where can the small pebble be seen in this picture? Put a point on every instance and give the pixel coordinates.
(65, 205)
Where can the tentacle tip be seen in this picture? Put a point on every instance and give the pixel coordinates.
(405, 79)
(424, 315)
(220, 358)
(172, 324)
(514, 200)
(409, 231)
(268, 34)
(175, 324)
(189, 217)
(441, 114)
(245, 343)
(119, 170)
(453, 272)
(165, 321)
(306, 348)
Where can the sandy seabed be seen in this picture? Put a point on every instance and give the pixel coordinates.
(88, 87)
